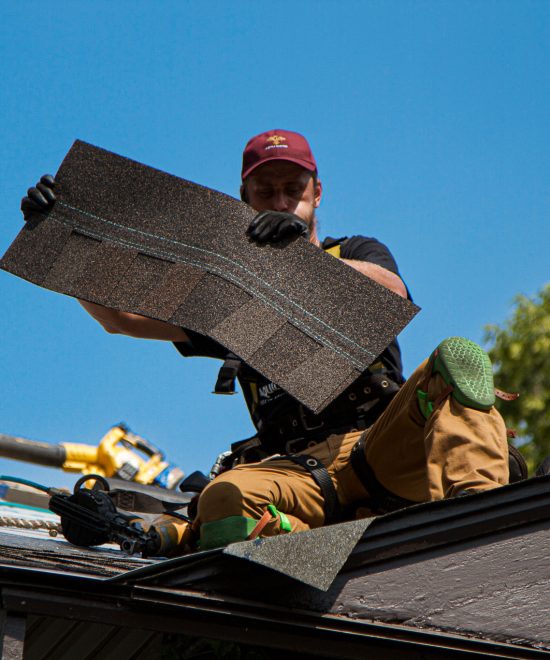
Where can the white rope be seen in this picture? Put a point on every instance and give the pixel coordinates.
(53, 527)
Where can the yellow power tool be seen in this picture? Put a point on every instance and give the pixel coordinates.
(120, 454)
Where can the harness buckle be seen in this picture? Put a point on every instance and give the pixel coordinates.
(291, 444)
(304, 421)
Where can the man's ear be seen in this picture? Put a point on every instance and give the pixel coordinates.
(318, 192)
(244, 194)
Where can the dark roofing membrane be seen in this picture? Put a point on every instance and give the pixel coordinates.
(137, 239)
(467, 576)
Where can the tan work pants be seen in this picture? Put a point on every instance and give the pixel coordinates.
(455, 449)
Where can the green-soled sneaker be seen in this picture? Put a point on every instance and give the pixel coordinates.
(467, 367)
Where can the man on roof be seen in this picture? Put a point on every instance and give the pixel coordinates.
(380, 444)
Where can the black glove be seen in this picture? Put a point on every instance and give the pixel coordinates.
(273, 226)
(40, 199)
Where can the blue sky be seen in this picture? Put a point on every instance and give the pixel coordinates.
(429, 122)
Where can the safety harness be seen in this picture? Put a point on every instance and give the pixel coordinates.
(356, 409)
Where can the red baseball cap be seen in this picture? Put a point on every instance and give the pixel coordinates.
(277, 144)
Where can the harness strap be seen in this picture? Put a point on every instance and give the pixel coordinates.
(227, 375)
(381, 499)
(517, 465)
(320, 475)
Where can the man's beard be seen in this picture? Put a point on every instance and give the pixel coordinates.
(313, 226)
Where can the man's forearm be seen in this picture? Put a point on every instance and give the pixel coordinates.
(133, 325)
(378, 274)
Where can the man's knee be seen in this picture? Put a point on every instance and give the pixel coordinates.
(227, 513)
(220, 519)
(222, 497)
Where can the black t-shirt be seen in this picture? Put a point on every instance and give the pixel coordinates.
(268, 404)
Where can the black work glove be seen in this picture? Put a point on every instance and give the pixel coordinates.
(273, 226)
(41, 198)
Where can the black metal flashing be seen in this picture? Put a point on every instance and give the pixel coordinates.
(66, 601)
(445, 522)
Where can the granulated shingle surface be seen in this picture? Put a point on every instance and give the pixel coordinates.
(77, 254)
(313, 557)
(137, 239)
(140, 279)
(35, 250)
(248, 328)
(275, 356)
(328, 368)
(176, 284)
(222, 298)
(88, 268)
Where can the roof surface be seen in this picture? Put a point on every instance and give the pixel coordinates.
(453, 578)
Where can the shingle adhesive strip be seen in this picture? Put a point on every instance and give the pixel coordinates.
(136, 239)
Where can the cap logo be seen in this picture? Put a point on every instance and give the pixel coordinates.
(276, 140)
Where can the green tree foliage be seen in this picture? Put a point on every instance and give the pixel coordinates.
(520, 351)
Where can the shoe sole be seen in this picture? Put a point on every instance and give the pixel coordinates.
(467, 367)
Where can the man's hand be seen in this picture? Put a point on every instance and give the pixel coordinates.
(274, 226)
(39, 199)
